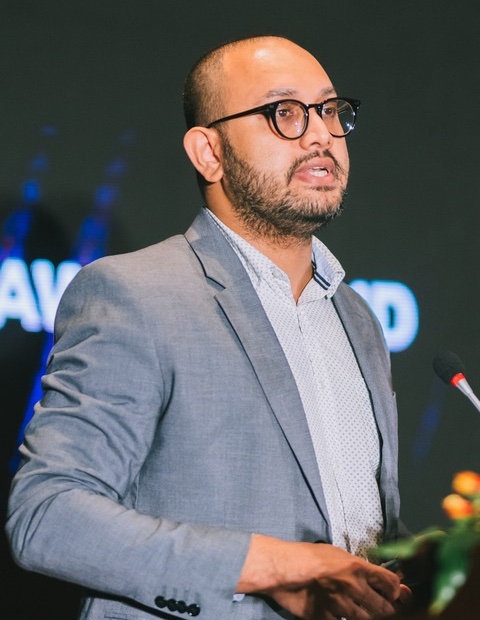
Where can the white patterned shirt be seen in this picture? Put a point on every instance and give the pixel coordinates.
(331, 387)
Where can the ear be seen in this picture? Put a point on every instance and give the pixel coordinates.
(203, 148)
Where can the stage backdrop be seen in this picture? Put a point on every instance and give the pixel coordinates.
(91, 163)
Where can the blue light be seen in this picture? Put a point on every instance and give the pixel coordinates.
(396, 308)
(106, 195)
(31, 191)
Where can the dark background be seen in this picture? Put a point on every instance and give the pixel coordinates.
(88, 82)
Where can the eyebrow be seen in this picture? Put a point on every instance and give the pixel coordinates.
(290, 92)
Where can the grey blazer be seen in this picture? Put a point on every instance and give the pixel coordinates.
(171, 429)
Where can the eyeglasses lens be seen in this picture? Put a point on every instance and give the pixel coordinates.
(339, 117)
(291, 118)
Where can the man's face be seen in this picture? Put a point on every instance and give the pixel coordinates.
(280, 187)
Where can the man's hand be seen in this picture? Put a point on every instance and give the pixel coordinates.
(318, 581)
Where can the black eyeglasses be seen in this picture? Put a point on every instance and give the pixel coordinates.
(290, 117)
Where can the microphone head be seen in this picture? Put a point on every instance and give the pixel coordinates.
(447, 365)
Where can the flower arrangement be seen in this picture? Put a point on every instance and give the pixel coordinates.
(452, 547)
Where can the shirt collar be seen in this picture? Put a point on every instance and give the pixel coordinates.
(327, 270)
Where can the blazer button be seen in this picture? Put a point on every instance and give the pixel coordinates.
(181, 606)
(193, 610)
(160, 601)
(172, 604)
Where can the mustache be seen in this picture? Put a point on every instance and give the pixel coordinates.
(339, 170)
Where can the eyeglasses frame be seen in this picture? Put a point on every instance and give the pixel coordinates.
(269, 110)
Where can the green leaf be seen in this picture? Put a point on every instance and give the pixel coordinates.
(453, 563)
(405, 548)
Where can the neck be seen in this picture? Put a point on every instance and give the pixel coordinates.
(291, 254)
(294, 258)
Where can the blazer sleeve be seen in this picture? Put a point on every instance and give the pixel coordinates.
(104, 394)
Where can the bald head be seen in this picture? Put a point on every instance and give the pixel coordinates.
(208, 82)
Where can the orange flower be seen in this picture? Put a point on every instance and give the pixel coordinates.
(466, 483)
(457, 507)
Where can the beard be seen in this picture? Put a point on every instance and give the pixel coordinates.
(270, 209)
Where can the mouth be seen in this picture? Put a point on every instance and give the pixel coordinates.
(319, 172)
(316, 171)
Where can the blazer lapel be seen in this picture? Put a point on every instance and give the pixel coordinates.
(243, 309)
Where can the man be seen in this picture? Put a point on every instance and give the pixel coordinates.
(214, 416)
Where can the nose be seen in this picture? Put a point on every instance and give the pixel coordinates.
(317, 133)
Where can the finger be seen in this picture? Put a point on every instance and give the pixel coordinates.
(384, 582)
(351, 609)
(375, 604)
(405, 595)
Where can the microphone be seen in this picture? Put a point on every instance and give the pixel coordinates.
(451, 370)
